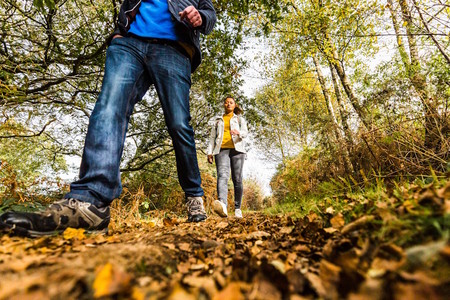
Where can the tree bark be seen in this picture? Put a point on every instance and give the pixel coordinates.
(349, 89)
(425, 24)
(339, 138)
(418, 80)
(342, 111)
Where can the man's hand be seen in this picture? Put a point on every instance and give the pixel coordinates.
(210, 159)
(192, 16)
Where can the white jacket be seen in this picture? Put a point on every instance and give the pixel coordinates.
(216, 137)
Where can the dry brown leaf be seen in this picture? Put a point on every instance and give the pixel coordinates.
(257, 235)
(312, 216)
(167, 221)
(178, 293)
(371, 289)
(169, 246)
(263, 289)
(330, 230)
(357, 224)
(22, 264)
(330, 275)
(279, 265)
(286, 230)
(302, 248)
(337, 221)
(14, 287)
(184, 267)
(196, 267)
(222, 225)
(316, 283)
(184, 247)
(206, 283)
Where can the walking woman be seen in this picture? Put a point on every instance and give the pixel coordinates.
(227, 146)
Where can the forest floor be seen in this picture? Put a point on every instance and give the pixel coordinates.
(257, 257)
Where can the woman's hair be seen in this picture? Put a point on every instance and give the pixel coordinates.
(237, 110)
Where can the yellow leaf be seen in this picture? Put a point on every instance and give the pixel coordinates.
(110, 281)
(137, 294)
(72, 233)
(102, 281)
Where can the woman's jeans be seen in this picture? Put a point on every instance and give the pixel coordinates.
(132, 65)
(225, 159)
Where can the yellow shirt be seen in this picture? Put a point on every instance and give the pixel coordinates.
(227, 142)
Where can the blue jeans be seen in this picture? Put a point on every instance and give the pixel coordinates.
(225, 159)
(132, 65)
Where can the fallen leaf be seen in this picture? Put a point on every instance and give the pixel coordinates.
(357, 224)
(286, 230)
(167, 221)
(337, 221)
(256, 235)
(169, 246)
(111, 280)
(206, 283)
(264, 289)
(74, 234)
(312, 216)
(231, 292)
(330, 230)
(184, 247)
(222, 225)
(178, 293)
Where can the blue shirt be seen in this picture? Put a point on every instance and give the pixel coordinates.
(154, 20)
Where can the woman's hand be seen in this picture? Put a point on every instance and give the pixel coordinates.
(210, 158)
(234, 132)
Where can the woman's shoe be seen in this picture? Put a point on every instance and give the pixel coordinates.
(220, 208)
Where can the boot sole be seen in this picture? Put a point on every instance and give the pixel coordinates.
(19, 231)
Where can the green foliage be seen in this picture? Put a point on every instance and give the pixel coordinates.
(51, 63)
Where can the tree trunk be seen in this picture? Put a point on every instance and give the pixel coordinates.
(433, 38)
(348, 89)
(339, 138)
(342, 111)
(418, 80)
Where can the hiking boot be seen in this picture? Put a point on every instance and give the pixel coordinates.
(238, 213)
(196, 211)
(56, 218)
(220, 208)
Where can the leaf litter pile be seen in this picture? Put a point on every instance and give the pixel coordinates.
(257, 257)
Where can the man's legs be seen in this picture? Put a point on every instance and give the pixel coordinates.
(125, 82)
(170, 72)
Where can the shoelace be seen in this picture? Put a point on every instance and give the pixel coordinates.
(195, 206)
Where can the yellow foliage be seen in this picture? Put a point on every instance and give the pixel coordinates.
(74, 234)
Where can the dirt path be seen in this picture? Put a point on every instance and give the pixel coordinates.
(258, 257)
